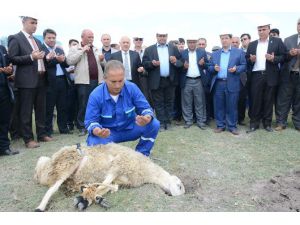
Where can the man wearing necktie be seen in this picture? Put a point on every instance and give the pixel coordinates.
(289, 88)
(26, 53)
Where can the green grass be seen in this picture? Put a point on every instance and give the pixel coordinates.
(218, 171)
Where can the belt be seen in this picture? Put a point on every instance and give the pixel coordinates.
(194, 78)
(261, 72)
(41, 72)
(295, 73)
(61, 76)
(221, 79)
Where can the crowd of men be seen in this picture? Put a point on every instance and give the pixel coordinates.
(190, 84)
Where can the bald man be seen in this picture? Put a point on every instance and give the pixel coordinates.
(131, 61)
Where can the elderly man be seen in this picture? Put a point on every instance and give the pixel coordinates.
(26, 53)
(117, 111)
(88, 72)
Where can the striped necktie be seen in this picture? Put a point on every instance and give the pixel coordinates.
(41, 66)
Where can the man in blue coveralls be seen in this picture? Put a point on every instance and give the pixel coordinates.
(117, 111)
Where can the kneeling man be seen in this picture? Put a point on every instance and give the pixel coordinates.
(117, 111)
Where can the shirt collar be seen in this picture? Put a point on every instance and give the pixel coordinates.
(26, 34)
(49, 48)
(159, 45)
(107, 94)
(229, 49)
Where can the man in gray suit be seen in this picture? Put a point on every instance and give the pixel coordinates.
(25, 51)
(289, 89)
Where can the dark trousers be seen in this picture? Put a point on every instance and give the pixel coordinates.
(163, 99)
(143, 85)
(14, 127)
(32, 98)
(289, 96)
(57, 96)
(83, 93)
(209, 104)
(177, 114)
(262, 101)
(72, 105)
(5, 113)
(242, 102)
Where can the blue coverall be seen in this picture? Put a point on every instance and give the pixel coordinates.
(102, 111)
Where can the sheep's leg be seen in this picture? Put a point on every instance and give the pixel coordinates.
(48, 195)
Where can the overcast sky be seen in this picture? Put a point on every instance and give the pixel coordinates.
(184, 18)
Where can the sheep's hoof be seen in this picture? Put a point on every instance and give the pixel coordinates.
(80, 203)
(102, 202)
(38, 210)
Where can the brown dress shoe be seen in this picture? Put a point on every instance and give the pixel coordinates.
(235, 132)
(32, 144)
(46, 139)
(280, 128)
(219, 130)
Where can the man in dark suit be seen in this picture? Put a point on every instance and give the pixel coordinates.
(263, 58)
(193, 96)
(289, 87)
(133, 66)
(30, 79)
(57, 83)
(6, 97)
(226, 65)
(162, 62)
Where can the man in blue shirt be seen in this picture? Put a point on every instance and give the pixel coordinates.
(117, 111)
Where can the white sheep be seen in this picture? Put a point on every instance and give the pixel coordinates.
(99, 169)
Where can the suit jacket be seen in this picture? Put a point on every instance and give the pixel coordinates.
(51, 65)
(135, 63)
(26, 75)
(237, 58)
(154, 71)
(5, 60)
(272, 68)
(290, 42)
(200, 53)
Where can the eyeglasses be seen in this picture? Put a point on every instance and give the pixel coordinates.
(138, 39)
(244, 39)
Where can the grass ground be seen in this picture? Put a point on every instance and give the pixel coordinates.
(218, 171)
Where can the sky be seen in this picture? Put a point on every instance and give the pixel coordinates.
(185, 18)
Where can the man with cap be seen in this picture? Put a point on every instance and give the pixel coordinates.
(162, 62)
(226, 66)
(263, 58)
(26, 53)
(193, 96)
(289, 88)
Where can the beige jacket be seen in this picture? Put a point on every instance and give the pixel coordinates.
(78, 58)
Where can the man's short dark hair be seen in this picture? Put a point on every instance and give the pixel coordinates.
(48, 31)
(73, 40)
(181, 40)
(275, 30)
(246, 34)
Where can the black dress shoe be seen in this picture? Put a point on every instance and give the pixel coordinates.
(252, 129)
(9, 152)
(66, 132)
(202, 126)
(187, 125)
(269, 129)
(242, 123)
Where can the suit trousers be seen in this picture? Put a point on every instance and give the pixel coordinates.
(289, 96)
(225, 105)
(262, 101)
(242, 102)
(14, 128)
(57, 96)
(5, 113)
(72, 105)
(163, 99)
(83, 93)
(32, 98)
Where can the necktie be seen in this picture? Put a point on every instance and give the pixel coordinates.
(41, 66)
(126, 65)
(296, 66)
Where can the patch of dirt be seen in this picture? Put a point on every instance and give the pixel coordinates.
(192, 185)
(280, 193)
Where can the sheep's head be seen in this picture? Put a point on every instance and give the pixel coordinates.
(176, 186)
(41, 170)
